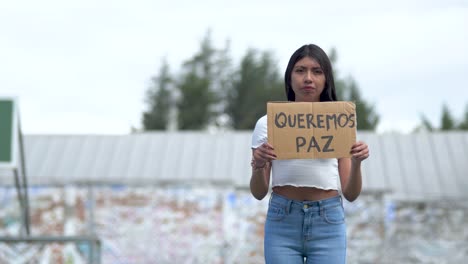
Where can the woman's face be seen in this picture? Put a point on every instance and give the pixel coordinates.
(307, 80)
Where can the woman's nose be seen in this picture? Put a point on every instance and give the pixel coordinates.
(308, 77)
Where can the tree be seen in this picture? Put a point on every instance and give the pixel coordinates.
(158, 98)
(255, 83)
(367, 118)
(201, 82)
(447, 121)
(348, 90)
(464, 122)
(425, 124)
(340, 84)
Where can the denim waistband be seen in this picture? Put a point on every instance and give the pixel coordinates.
(311, 205)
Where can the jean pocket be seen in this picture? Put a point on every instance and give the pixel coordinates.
(334, 215)
(276, 212)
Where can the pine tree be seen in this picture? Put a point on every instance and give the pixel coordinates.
(447, 121)
(367, 119)
(255, 83)
(348, 90)
(425, 124)
(464, 122)
(202, 81)
(159, 100)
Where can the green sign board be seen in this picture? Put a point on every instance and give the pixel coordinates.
(8, 132)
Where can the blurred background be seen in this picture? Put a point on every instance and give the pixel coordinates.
(135, 121)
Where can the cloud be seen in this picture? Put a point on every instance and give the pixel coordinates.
(93, 59)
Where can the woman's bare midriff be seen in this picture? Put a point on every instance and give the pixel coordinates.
(304, 193)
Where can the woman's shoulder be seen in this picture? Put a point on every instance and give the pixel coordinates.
(261, 123)
(260, 132)
(262, 119)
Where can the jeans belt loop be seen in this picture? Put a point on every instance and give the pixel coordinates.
(288, 207)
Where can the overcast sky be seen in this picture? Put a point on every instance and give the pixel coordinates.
(84, 66)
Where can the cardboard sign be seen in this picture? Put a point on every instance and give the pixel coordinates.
(304, 130)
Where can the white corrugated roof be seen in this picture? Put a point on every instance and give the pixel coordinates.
(412, 167)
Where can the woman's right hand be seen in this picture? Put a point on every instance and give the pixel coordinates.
(263, 154)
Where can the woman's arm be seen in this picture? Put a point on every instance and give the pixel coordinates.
(350, 171)
(260, 180)
(261, 168)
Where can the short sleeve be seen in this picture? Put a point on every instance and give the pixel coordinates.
(260, 133)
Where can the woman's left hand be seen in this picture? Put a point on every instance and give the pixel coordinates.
(359, 151)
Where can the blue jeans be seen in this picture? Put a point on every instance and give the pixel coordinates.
(305, 231)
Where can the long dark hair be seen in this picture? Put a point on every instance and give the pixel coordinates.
(316, 53)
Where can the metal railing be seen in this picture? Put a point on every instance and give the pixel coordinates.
(94, 256)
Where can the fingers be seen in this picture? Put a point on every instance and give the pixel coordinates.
(267, 145)
(360, 151)
(264, 153)
(358, 147)
(360, 156)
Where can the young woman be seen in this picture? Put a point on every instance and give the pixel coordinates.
(305, 219)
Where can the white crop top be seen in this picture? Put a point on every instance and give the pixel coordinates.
(318, 173)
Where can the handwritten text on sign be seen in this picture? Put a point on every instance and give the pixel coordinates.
(303, 130)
